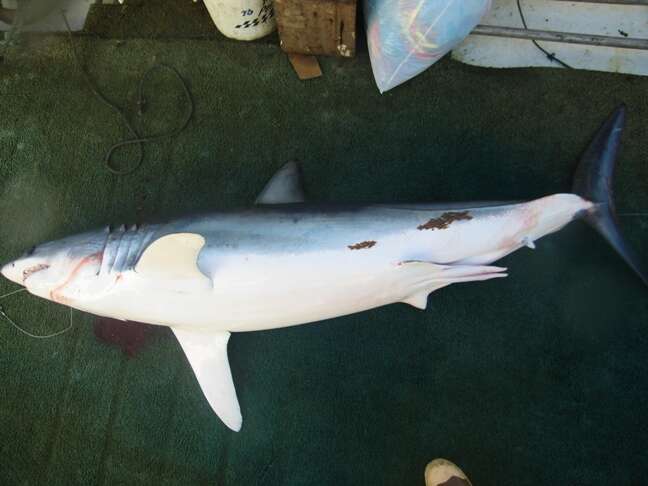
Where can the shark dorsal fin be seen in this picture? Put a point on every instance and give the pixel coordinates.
(207, 355)
(285, 187)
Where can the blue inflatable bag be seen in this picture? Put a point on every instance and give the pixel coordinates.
(405, 37)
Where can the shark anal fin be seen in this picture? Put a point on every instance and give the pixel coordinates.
(207, 354)
(418, 300)
(529, 243)
(285, 187)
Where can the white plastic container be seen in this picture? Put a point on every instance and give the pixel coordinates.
(242, 19)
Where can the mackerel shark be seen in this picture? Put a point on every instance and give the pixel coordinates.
(286, 262)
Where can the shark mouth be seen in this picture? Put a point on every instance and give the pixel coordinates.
(32, 270)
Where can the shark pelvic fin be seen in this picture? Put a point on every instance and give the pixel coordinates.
(173, 258)
(426, 277)
(285, 187)
(207, 354)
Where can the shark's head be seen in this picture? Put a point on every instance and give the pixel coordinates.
(61, 270)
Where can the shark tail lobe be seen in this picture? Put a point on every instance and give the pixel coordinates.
(593, 181)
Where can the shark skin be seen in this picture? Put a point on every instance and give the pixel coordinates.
(255, 269)
(286, 262)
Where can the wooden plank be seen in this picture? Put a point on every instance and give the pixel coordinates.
(317, 27)
(305, 66)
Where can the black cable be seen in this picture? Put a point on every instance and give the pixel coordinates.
(550, 55)
(137, 139)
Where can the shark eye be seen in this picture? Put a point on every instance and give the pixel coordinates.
(31, 251)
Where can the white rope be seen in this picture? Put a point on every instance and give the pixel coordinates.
(24, 331)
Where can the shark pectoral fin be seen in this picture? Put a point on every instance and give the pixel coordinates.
(426, 277)
(172, 260)
(285, 187)
(207, 354)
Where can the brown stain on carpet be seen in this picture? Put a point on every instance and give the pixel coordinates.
(129, 336)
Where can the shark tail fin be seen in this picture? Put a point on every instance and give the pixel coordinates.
(593, 181)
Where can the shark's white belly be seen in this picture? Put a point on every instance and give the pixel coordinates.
(289, 290)
(257, 293)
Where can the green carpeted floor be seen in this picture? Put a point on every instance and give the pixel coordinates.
(540, 378)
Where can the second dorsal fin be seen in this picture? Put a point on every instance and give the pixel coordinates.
(285, 187)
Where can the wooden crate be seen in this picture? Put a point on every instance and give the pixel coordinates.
(321, 27)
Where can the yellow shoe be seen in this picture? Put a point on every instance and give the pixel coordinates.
(441, 472)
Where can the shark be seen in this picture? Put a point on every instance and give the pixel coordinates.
(285, 261)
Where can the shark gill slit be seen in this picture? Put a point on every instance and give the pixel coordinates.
(103, 249)
(112, 248)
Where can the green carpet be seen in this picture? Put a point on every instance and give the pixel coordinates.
(540, 378)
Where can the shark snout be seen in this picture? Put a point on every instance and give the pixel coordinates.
(12, 272)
